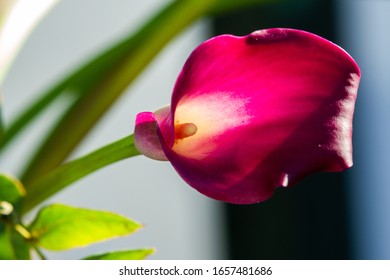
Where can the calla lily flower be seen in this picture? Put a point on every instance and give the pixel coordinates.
(249, 114)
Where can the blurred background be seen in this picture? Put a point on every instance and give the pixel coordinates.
(327, 216)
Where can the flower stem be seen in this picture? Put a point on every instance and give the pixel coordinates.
(74, 170)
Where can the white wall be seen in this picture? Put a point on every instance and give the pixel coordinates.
(179, 222)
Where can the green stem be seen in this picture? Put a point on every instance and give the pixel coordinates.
(74, 170)
(39, 253)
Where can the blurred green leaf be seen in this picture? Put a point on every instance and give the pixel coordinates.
(77, 169)
(138, 254)
(7, 251)
(33, 111)
(11, 189)
(1, 122)
(21, 246)
(12, 245)
(224, 6)
(61, 227)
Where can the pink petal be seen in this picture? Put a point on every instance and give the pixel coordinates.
(146, 138)
(270, 108)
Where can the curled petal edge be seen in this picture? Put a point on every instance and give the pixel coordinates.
(146, 138)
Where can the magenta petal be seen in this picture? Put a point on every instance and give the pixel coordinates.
(146, 139)
(270, 108)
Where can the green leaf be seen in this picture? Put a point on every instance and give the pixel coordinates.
(33, 111)
(138, 254)
(61, 227)
(21, 246)
(223, 6)
(11, 189)
(12, 245)
(77, 169)
(7, 251)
